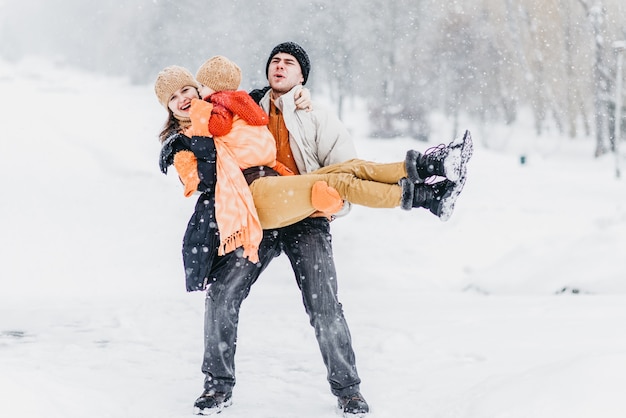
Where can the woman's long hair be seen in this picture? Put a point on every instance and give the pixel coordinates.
(172, 126)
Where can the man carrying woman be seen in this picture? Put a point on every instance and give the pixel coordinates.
(304, 142)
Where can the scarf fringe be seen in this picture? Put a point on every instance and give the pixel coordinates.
(240, 239)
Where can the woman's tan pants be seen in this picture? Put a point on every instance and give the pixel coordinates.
(285, 200)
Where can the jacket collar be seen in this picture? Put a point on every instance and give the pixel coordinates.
(285, 103)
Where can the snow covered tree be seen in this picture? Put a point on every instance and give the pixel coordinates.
(596, 15)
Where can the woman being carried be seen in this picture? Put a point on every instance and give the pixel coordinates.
(246, 155)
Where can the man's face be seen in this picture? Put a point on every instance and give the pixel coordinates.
(284, 73)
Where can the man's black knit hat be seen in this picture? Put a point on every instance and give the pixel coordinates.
(298, 53)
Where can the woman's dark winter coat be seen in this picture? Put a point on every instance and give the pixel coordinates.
(201, 238)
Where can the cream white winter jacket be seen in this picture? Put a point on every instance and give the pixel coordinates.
(317, 138)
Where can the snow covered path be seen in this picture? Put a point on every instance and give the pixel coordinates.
(427, 354)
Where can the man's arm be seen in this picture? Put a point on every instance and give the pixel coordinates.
(302, 98)
(334, 145)
(334, 142)
(257, 94)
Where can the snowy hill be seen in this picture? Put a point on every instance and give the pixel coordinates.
(457, 319)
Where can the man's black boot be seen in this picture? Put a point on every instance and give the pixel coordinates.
(353, 406)
(212, 402)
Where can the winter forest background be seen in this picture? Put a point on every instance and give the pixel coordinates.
(487, 59)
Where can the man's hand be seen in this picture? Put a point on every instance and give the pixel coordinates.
(303, 99)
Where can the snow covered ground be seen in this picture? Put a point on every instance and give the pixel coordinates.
(461, 319)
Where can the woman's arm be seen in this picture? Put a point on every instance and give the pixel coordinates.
(194, 160)
(186, 165)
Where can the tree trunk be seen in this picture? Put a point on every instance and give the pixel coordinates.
(596, 15)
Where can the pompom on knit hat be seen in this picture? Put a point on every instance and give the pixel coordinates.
(219, 73)
(171, 79)
(297, 52)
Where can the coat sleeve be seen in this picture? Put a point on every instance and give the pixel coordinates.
(335, 145)
(241, 104)
(204, 150)
(172, 145)
(221, 121)
(334, 142)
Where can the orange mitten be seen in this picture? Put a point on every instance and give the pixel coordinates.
(186, 165)
(221, 121)
(325, 198)
(200, 113)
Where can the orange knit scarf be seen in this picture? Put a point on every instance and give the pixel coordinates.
(236, 215)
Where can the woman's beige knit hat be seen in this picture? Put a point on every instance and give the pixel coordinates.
(171, 79)
(219, 73)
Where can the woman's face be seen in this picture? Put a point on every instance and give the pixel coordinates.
(180, 102)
